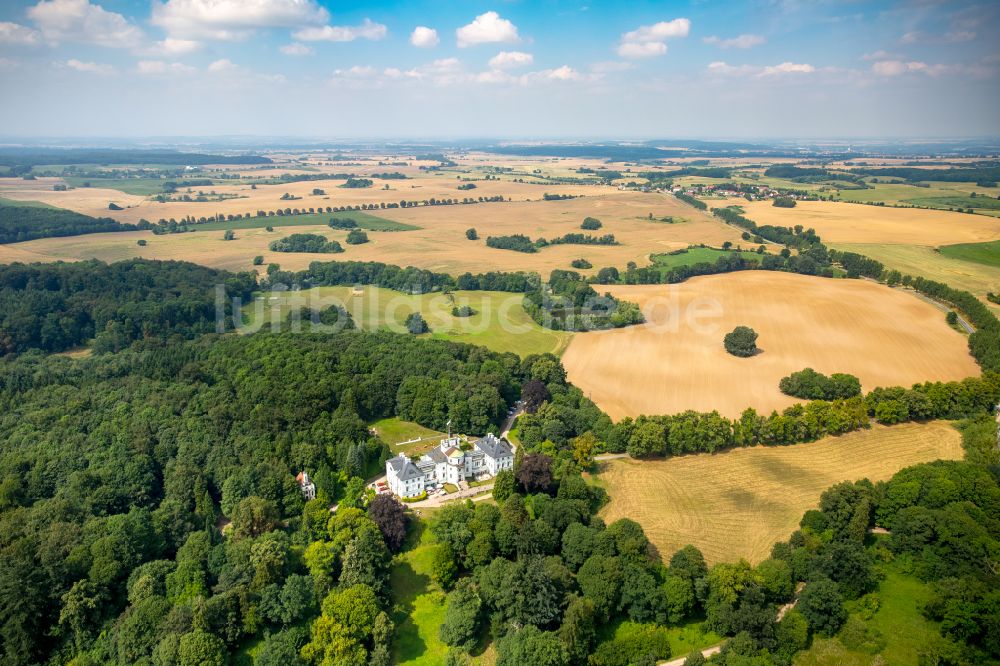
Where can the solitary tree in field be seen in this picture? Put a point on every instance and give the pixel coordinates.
(471, 234)
(741, 341)
(229, 235)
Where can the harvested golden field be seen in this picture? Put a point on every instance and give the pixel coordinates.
(676, 361)
(440, 243)
(838, 222)
(249, 199)
(739, 503)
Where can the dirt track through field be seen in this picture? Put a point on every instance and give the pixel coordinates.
(677, 361)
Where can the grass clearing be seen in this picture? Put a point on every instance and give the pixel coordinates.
(139, 186)
(363, 220)
(978, 278)
(420, 605)
(698, 255)
(418, 439)
(898, 619)
(987, 254)
(500, 322)
(676, 361)
(740, 502)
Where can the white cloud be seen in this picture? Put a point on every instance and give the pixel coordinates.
(356, 72)
(898, 67)
(234, 19)
(723, 68)
(564, 73)
(746, 41)
(508, 59)
(13, 33)
(222, 66)
(8, 64)
(650, 40)
(156, 67)
(611, 66)
(485, 29)
(172, 46)
(679, 27)
(296, 49)
(788, 68)
(641, 50)
(80, 21)
(90, 67)
(424, 37)
(343, 33)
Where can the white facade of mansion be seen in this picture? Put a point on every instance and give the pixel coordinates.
(448, 463)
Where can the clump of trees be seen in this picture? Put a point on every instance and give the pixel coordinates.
(352, 183)
(356, 237)
(581, 263)
(462, 311)
(741, 341)
(516, 242)
(313, 243)
(784, 202)
(591, 224)
(811, 385)
(570, 303)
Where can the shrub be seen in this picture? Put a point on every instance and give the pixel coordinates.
(141, 242)
(741, 341)
(416, 324)
(258, 260)
(471, 234)
(416, 498)
(342, 223)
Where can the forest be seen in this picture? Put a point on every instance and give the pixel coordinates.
(118, 469)
(24, 223)
(55, 307)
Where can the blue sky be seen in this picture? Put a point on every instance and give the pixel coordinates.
(550, 68)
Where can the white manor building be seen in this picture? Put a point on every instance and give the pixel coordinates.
(448, 463)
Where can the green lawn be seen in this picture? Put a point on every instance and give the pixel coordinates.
(139, 186)
(980, 253)
(24, 204)
(363, 220)
(987, 203)
(684, 638)
(898, 619)
(394, 430)
(421, 604)
(976, 277)
(697, 255)
(500, 322)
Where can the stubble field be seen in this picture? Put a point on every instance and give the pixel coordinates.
(676, 361)
(838, 222)
(739, 503)
(439, 244)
